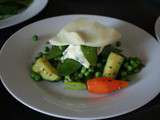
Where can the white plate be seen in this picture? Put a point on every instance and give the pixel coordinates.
(36, 7)
(157, 28)
(50, 98)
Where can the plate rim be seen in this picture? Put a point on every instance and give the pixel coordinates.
(64, 116)
(155, 28)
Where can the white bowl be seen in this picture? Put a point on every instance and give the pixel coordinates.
(50, 98)
(35, 7)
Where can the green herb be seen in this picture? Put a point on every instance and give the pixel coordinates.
(68, 66)
(55, 52)
(90, 54)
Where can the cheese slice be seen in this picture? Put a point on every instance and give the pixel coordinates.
(74, 52)
(86, 32)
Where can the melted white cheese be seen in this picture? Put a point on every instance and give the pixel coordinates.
(86, 32)
(74, 52)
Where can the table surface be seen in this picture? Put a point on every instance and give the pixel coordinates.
(142, 13)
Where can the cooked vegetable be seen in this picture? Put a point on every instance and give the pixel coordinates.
(83, 70)
(68, 66)
(130, 66)
(113, 65)
(103, 85)
(46, 49)
(55, 52)
(45, 69)
(74, 85)
(35, 76)
(35, 37)
(90, 54)
(85, 54)
(98, 74)
(107, 50)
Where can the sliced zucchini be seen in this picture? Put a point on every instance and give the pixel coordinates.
(45, 69)
(113, 65)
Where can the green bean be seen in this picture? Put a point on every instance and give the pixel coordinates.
(74, 85)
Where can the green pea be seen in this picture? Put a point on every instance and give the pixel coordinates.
(35, 76)
(35, 38)
(129, 68)
(86, 74)
(91, 70)
(135, 65)
(132, 62)
(123, 73)
(46, 49)
(80, 75)
(83, 70)
(98, 74)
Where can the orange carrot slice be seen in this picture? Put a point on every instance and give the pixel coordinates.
(103, 85)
